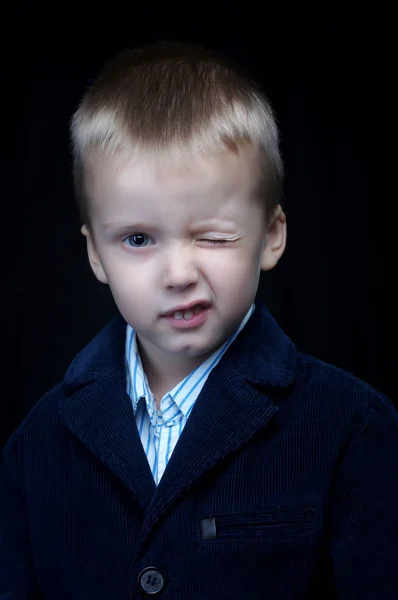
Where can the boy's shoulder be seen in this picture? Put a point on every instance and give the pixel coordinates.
(323, 382)
(101, 356)
(318, 373)
(311, 386)
(305, 369)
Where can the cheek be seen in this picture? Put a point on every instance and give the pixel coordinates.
(127, 283)
(240, 265)
(133, 298)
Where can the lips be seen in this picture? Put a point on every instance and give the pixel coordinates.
(185, 307)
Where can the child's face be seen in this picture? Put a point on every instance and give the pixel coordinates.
(150, 223)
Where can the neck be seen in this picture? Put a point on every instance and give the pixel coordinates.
(164, 372)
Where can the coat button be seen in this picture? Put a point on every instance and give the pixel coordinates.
(151, 580)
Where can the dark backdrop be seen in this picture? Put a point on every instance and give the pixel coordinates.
(330, 77)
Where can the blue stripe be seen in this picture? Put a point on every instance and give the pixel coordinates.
(168, 446)
(168, 408)
(130, 390)
(173, 416)
(186, 380)
(149, 438)
(155, 465)
(135, 373)
(148, 404)
(131, 341)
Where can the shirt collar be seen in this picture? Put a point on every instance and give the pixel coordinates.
(186, 391)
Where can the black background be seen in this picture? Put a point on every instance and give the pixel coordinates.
(331, 78)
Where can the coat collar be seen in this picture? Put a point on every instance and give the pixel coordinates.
(233, 406)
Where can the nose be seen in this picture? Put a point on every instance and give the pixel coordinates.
(178, 268)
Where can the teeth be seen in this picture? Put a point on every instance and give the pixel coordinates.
(187, 314)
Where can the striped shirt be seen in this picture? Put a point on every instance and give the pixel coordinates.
(160, 429)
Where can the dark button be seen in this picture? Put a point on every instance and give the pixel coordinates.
(151, 580)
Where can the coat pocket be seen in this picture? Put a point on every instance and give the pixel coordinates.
(275, 523)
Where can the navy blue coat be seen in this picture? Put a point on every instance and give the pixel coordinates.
(283, 485)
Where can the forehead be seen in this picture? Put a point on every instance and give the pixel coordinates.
(119, 182)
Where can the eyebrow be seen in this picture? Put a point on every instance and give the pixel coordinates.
(125, 225)
(139, 226)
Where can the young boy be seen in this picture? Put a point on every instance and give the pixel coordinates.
(190, 450)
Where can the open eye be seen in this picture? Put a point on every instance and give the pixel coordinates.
(139, 240)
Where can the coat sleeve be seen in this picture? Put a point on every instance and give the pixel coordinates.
(363, 523)
(17, 574)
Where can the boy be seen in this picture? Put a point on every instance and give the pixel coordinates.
(190, 450)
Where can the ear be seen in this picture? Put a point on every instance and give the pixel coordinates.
(275, 241)
(93, 257)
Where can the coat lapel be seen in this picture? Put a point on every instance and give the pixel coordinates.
(98, 411)
(102, 417)
(235, 403)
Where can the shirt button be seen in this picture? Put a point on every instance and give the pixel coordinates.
(151, 580)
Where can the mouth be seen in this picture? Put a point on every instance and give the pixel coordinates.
(189, 319)
(187, 311)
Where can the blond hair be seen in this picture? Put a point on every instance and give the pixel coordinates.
(175, 98)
